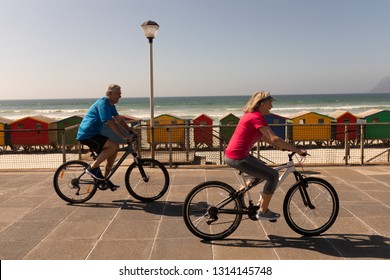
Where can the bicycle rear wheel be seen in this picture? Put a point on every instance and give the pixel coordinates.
(72, 184)
(311, 206)
(210, 212)
(150, 187)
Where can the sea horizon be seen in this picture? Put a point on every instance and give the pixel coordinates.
(189, 107)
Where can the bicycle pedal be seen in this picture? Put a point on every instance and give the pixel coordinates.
(273, 221)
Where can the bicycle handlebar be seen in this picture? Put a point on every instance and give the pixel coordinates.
(290, 155)
(134, 139)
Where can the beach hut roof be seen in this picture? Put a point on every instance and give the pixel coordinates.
(203, 114)
(130, 118)
(339, 113)
(299, 114)
(5, 120)
(368, 113)
(71, 117)
(278, 116)
(40, 118)
(229, 114)
(168, 115)
(303, 113)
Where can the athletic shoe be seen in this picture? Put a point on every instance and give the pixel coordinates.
(111, 185)
(95, 173)
(267, 215)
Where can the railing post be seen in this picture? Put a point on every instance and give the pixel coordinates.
(362, 129)
(347, 150)
(170, 146)
(63, 146)
(220, 146)
(187, 141)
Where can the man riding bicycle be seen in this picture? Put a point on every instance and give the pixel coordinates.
(103, 112)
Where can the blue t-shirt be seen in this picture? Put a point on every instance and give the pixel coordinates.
(99, 113)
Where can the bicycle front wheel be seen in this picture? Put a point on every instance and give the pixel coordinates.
(148, 180)
(72, 184)
(210, 211)
(311, 206)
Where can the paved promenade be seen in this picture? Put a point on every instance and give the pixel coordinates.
(36, 224)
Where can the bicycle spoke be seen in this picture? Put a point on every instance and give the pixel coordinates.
(306, 220)
(210, 212)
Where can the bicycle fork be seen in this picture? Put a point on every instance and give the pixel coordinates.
(138, 161)
(303, 190)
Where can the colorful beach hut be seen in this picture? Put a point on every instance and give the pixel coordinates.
(164, 133)
(277, 124)
(309, 126)
(376, 116)
(346, 118)
(70, 135)
(228, 125)
(203, 131)
(5, 134)
(34, 131)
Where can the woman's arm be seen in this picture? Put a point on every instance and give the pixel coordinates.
(271, 138)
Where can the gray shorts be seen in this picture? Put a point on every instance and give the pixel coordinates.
(109, 133)
(256, 168)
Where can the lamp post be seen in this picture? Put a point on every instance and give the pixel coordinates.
(150, 29)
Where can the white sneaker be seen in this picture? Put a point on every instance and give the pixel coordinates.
(267, 215)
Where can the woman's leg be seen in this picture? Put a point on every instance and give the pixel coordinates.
(258, 169)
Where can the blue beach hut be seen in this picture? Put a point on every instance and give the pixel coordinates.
(277, 124)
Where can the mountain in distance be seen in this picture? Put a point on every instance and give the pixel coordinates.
(383, 86)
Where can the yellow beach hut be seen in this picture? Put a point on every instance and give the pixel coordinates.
(166, 132)
(310, 126)
(4, 135)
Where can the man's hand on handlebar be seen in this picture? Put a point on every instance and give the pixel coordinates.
(132, 138)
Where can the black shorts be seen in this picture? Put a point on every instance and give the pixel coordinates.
(95, 143)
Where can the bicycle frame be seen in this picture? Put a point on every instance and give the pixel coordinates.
(289, 166)
(128, 150)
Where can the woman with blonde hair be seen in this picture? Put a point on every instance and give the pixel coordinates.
(252, 128)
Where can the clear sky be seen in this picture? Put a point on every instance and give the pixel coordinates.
(75, 48)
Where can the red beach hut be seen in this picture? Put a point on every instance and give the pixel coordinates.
(33, 131)
(203, 131)
(344, 117)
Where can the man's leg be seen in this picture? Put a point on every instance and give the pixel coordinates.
(109, 149)
(110, 162)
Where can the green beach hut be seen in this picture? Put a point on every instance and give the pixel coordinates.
(228, 125)
(376, 116)
(70, 135)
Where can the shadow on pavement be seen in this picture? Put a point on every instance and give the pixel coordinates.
(165, 208)
(344, 245)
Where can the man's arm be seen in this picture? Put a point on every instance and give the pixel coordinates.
(114, 127)
(123, 124)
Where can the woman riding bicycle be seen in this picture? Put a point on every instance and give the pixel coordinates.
(252, 128)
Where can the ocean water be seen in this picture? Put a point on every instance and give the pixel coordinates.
(190, 107)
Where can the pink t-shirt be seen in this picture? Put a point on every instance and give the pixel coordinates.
(246, 135)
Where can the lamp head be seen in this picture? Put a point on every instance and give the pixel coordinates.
(150, 29)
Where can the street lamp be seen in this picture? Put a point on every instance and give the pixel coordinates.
(150, 29)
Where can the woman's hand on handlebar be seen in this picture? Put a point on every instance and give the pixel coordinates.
(303, 153)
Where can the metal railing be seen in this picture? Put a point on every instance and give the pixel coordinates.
(192, 145)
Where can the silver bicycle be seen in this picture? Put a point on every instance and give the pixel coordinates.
(214, 209)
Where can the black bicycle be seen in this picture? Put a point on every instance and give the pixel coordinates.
(214, 209)
(146, 179)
